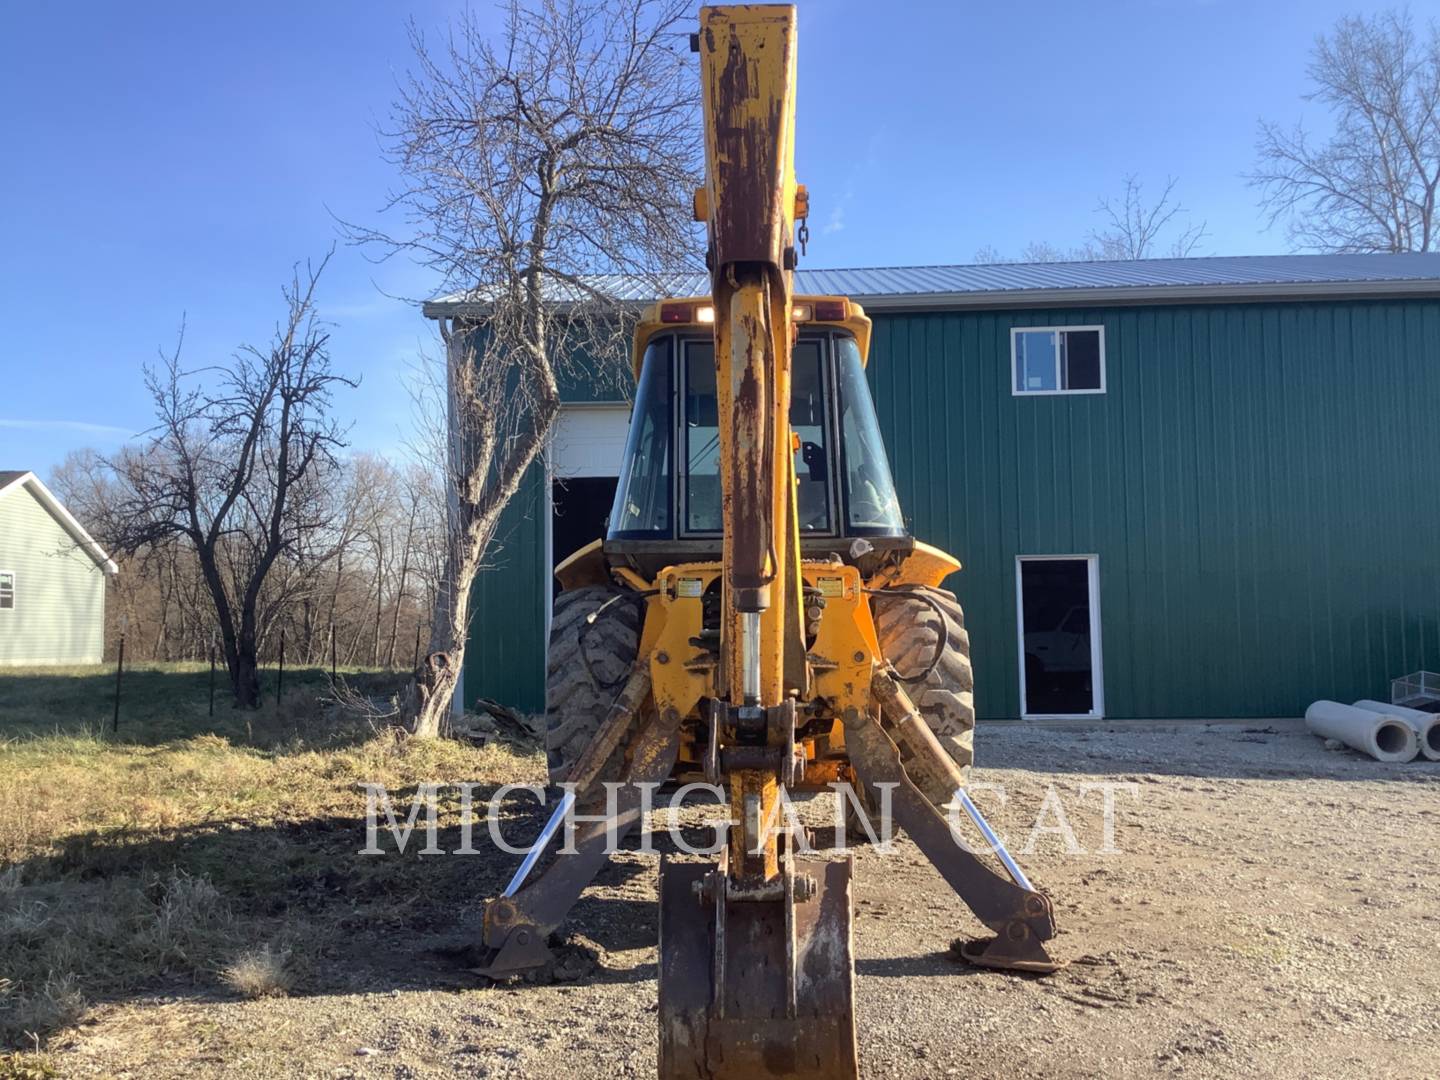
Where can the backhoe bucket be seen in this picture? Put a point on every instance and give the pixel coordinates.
(754, 988)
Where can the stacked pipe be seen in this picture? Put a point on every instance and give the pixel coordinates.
(1426, 725)
(1383, 735)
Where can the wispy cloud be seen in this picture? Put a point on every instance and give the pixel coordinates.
(84, 427)
(835, 220)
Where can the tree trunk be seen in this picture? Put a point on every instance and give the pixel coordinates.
(246, 678)
(161, 651)
(400, 592)
(435, 682)
(439, 672)
(379, 609)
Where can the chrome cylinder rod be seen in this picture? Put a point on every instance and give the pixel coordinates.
(750, 657)
(541, 842)
(1011, 866)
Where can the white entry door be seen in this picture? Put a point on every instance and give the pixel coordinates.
(1057, 605)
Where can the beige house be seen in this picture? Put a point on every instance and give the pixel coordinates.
(52, 579)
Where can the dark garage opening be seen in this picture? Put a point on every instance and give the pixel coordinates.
(580, 514)
(1055, 607)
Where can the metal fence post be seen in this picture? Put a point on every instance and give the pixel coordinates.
(280, 678)
(332, 652)
(119, 671)
(212, 674)
(416, 664)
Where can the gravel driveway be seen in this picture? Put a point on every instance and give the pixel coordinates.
(1273, 909)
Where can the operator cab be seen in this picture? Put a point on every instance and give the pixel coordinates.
(668, 497)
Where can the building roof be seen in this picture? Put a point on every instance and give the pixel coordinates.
(12, 480)
(1067, 284)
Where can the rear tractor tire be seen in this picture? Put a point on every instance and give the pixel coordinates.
(586, 668)
(942, 685)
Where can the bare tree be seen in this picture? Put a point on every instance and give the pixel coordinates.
(565, 149)
(1371, 186)
(1036, 251)
(369, 570)
(1135, 229)
(234, 471)
(1042, 251)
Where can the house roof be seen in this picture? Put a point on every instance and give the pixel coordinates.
(1068, 284)
(12, 480)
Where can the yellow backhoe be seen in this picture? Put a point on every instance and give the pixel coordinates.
(759, 616)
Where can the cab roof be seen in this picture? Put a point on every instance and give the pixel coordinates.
(680, 313)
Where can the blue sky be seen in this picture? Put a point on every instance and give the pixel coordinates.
(169, 160)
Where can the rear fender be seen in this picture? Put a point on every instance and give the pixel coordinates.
(925, 565)
(588, 566)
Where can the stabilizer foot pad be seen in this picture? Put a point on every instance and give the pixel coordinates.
(988, 952)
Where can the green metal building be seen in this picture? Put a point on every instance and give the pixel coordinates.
(1179, 487)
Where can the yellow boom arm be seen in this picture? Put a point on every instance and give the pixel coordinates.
(747, 71)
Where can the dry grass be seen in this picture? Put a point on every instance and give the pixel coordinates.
(23, 1066)
(132, 866)
(257, 973)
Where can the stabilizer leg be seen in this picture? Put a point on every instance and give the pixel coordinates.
(1021, 917)
(518, 924)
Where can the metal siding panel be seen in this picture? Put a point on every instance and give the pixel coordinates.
(505, 657)
(1250, 481)
(59, 612)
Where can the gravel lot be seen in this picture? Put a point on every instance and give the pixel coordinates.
(1272, 909)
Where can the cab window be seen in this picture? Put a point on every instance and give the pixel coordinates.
(700, 433)
(642, 503)
(873, 508)
(807, 420)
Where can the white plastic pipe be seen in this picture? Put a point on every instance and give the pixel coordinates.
(1426, 725)
(1385, 738)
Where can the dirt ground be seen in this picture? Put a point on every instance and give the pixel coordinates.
(1273, 909)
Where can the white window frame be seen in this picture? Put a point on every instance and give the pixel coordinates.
(1097, 661)
(1015, 331)
(14, 589)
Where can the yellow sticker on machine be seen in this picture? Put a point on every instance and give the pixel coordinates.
(689, 586)
(831, 586)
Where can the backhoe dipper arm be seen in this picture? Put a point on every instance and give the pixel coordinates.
(747, 73)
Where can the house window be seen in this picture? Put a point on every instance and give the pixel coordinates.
(7, 590)
(1058, 359)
